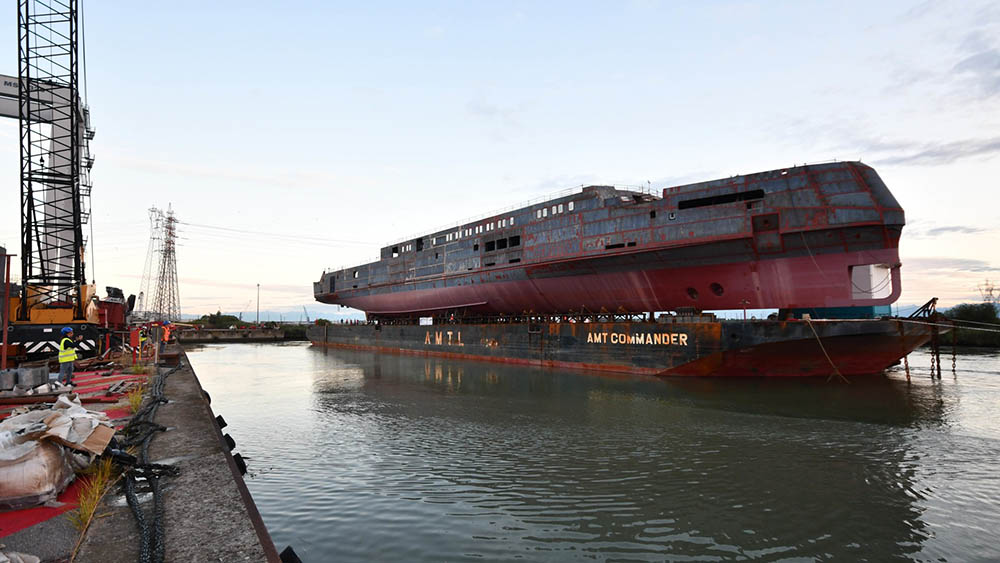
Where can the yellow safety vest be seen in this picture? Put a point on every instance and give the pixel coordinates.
(66, 354)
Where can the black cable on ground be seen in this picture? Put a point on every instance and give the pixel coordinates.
(139, 432)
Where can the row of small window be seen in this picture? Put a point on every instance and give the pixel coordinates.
(478, 229)
(487, 227)
(544, 212)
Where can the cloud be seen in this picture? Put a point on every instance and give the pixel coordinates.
(561, 182)
(504, 119)
(434, 31)
(943, 264)
(983, 70)
(932, 153)
(293, 178)
(949, 229)
(976, 40)
(958, 59)
(684, 179)
(918, 11)
(486, 109)
(304, 289)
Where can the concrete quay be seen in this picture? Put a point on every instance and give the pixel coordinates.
(209, 514)
(209, 336)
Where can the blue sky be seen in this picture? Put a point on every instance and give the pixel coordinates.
(352, 124)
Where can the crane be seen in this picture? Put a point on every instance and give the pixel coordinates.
(306, 314)
(55, 178)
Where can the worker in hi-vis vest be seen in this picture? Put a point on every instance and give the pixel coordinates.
(167, 329)
(67, 355)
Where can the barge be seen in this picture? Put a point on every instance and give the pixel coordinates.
(679, 346)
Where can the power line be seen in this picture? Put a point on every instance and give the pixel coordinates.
(211, 238)
(275, 235)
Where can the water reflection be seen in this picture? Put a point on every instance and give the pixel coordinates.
(365, 457)
(886, 400)
(508, 460)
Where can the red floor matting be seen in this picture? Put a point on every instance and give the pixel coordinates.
(88, 384)
(17, 520)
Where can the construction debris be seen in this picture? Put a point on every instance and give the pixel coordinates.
(15, 557)
(40, 450)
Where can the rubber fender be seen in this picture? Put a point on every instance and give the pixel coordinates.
(288, 555)
(208, 398)
(240, 463)
(229, 441)
(221, 422)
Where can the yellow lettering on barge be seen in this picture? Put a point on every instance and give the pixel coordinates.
(644, 338)
(454, 338)
(597, 338)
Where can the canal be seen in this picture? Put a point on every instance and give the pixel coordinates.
(359, 457)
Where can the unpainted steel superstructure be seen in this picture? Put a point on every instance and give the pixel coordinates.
(812, 236)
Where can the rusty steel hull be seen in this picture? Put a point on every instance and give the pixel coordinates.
(696, 348)
(644, 285)
(806, 237)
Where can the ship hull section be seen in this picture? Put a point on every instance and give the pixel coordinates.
(815, 236)
(588, 286)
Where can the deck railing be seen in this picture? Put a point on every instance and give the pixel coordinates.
(647, 189)
(548, 197)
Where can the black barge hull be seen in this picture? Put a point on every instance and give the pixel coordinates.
(793, 348)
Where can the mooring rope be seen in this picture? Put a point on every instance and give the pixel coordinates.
(948, 325)
(963, 321)
(836, 371)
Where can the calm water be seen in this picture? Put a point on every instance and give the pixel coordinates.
(359, 457)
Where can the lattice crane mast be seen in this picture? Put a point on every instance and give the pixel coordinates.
(54, 174)
(55, 159)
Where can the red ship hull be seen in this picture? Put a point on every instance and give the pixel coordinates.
(803, 281)
(852, 355)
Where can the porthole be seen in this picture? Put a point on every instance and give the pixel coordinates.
(717, 289)
(692, 293)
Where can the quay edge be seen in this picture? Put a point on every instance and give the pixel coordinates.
(208, 510)
(696, 347)
(230, 336)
